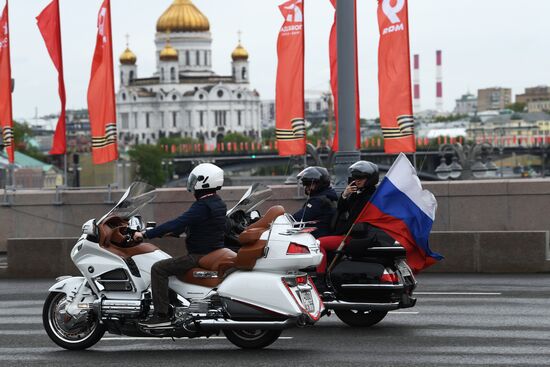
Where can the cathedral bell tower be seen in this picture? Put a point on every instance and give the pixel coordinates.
(239, 66)
(168, 64)
(128, 67)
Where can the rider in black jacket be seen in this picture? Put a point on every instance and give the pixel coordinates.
(204, 224)
(362, 183)
(363, 177)
(321, 200)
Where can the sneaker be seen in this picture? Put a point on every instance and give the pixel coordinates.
(156, 321)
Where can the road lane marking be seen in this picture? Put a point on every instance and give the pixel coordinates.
(404, 312)
(459, 293)
(114, 338)
(23, 303)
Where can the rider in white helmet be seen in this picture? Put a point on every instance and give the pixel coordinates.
(204, 224)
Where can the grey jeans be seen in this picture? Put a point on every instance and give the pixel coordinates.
(160, 272)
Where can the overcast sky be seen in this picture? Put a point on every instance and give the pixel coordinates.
(485, 43)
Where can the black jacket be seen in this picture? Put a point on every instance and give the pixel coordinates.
(203, 222)
(319, 207)
(349, 209)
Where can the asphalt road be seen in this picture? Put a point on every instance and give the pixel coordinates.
(500, 320)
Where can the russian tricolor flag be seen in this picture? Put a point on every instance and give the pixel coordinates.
(405, 211)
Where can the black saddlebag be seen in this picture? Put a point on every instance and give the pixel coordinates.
(374, 245)
(359, 281)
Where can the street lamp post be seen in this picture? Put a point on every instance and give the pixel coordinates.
(466, 158)
(345, 34)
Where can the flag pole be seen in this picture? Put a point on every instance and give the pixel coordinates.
(65, 169)
(343, 243)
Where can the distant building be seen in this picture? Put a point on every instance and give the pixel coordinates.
(538, 106)
(516, 129)
(316, 107)
(466, 105)
(184, 97)
(493, 98)
(29, 172)
(78, 131)
(534, 94)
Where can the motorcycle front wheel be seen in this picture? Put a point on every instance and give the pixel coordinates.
(252, 339)
(360, 318)
(67, 331)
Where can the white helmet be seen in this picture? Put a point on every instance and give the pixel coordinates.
(204, 177)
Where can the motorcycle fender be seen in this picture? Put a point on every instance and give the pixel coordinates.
(260, 289)
(67, 285)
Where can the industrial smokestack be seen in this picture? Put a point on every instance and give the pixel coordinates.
(438, 82)
(416, 84)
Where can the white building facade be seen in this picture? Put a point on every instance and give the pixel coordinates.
(184, 97)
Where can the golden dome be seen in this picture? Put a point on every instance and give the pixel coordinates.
(169, 53)
(182, 16)
(239, 53)
(128, 57)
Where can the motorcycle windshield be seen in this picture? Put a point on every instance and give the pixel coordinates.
(136, 197)
(254, 196)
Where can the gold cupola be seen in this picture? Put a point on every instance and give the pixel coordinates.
(183, 16)
(128, 57)
(239, 53)
(168, 53)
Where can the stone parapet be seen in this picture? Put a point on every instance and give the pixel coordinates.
(465, 252)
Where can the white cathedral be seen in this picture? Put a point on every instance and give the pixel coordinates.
(185, 98)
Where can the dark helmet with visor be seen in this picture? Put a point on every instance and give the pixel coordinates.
(314, 174)
(365, 169)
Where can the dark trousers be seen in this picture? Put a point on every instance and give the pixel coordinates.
(160, 272)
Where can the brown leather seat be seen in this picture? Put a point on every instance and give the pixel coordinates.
(110, 234)
(210, 262)
(252, 247)
(253, 232)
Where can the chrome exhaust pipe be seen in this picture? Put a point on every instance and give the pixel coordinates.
(245, 325)
(119, 308)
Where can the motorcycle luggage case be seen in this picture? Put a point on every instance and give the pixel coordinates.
(365, 249)
(356, 273)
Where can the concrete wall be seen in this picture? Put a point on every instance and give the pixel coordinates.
(496, 205)
(491, 252)
(469, 252)
(50, 257)
(465, 206)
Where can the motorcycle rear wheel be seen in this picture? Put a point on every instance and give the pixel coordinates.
(356, 318)
(80, 335)
(252, 339)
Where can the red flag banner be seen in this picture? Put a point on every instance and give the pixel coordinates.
(333, 57)
(6, 118)
(101, 92)
(49, 24)
(394, 77)
(289, 91)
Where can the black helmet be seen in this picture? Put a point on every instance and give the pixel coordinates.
(316, 174)
(365, 169)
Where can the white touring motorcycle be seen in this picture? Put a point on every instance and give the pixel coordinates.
(250, 296)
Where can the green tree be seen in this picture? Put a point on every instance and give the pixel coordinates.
(449, 118)
(149, 160)
(237, 138)
(22, 134)
(268, 134)
(177, 140)
(517, 106)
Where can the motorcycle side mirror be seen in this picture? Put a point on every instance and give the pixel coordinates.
(254, 215)
(151, 225)
(135, 223)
